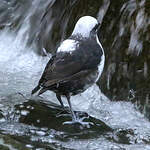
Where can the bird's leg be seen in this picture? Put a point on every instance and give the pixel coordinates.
(72, 112)
(62, 105)
(59, 99)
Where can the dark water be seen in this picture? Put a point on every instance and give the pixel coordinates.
(118, 123)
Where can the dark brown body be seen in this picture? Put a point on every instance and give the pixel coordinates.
(72, 73)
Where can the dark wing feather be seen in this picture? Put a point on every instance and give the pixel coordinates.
(64, 66)
(58, 68)
(43, 75)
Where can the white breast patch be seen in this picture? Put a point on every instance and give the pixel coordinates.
(68, 46)
(101, 65)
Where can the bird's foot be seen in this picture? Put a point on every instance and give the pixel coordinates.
(77, 117)
(79, 123)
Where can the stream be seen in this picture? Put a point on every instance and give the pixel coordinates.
(115, 111)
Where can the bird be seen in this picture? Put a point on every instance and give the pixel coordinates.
(76, 65)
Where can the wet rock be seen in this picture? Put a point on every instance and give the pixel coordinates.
(9, 142)
(127, 136)
(1, 115)
(127, 68)
(123, 136)
(54, 118)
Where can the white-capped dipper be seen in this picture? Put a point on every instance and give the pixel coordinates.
(77, 64)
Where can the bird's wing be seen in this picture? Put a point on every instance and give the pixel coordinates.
(66, 63)
(63, 65)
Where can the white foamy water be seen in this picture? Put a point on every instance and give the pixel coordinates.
(20, 67)
(118, 115)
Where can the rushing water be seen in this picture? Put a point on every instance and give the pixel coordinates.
(31, 122)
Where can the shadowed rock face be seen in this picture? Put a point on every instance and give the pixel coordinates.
(125, 37)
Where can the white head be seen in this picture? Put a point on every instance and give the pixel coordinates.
(84, 26)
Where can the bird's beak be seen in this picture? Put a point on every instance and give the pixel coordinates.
(96, 28)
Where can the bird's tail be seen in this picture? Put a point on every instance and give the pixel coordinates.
(35, 89)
